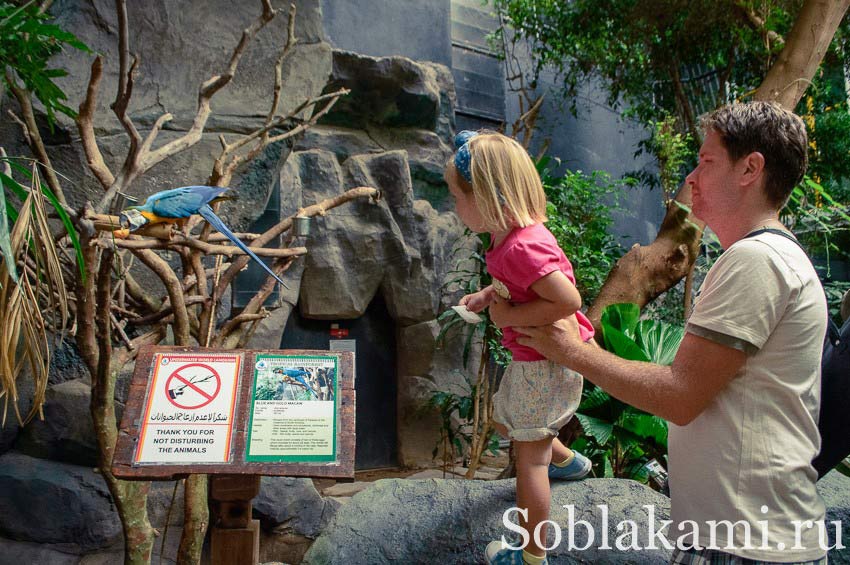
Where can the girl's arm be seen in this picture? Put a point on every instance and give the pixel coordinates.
(478, 301)
(558, 299)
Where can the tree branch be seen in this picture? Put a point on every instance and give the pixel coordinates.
(85, 125)
(175, 292)
(805, 46)
(34, 136)
(141, 157)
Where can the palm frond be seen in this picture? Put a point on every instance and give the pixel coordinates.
(31, 307)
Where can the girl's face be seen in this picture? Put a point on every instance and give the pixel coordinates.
(465, 206)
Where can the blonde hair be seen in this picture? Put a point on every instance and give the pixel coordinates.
(505, 183)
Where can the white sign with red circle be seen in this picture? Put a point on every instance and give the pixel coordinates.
(188, 417)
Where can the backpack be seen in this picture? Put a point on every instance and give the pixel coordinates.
(834, 420)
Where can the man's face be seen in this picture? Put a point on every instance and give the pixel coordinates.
(714, 190)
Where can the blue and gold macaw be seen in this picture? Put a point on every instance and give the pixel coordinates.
(177, 204)
(291, 375)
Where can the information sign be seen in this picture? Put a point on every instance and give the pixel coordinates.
(189, 411)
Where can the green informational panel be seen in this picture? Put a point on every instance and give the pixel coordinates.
(293, 409)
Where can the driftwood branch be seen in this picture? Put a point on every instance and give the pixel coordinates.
(141, 155)
(208, 249)
(24, 98)
(85, 125)
(175, 291)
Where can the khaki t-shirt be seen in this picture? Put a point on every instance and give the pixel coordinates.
(748, 455)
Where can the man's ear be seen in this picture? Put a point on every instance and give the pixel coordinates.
(753, 168)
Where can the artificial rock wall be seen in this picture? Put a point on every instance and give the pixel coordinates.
(392, 132)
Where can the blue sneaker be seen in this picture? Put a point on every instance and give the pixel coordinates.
(494, 554)
(578, 468)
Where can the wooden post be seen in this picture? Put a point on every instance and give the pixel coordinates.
(235, 537)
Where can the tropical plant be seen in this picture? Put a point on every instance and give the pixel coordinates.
(34, 313)
(470, 432)
(579, 212)
(619, 438)
(27, 42)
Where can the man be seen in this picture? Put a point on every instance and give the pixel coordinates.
(743, 392)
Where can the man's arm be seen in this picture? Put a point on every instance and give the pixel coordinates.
(678, 393)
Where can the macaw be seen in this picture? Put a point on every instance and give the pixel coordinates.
(290, 375)
(177, 204)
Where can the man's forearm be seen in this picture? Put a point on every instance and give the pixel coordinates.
(650, 387)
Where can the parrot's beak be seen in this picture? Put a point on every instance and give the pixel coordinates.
(132, 219)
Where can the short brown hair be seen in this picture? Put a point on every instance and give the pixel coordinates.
(776, 133)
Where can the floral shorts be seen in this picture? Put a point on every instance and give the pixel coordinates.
(536, 399)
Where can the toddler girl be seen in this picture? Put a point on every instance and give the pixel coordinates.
(497, 190)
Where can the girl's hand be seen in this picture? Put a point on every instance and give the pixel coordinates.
(478, 301)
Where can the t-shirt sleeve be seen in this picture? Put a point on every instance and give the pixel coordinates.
(744, 295)
(529, 261)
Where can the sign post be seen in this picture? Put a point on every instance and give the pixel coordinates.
(236, 415)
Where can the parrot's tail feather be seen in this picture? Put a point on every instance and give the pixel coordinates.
(207, 213)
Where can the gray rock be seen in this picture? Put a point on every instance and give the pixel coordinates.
(66, 433)
(389, 91)
(834, 488)
(293, 506)
(451, 521)
(180, 47)
(66, 363)
(25, 553)
(164, 502)
(50, 502)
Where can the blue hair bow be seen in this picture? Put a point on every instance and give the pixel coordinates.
(462, 157)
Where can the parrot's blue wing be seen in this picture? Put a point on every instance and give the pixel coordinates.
(301, 380)
(182, 202)
(207, 213)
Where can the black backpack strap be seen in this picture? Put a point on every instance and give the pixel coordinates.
(783, 233)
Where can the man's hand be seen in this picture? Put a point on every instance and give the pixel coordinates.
(556, 341)
(478, 301)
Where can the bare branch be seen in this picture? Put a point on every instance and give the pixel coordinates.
(36, 144)
(85, 125)
(138, 160)
(164, 312)
(125, 355)
(207, 90)
(223, 169)
(175, 292)
(191, 243)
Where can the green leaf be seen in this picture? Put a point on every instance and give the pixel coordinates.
(598, 429)
(69, 228)
(623, 317)
(645, 425)
(659, 340)
(609, 470)
(5, 241)
(594, 399)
